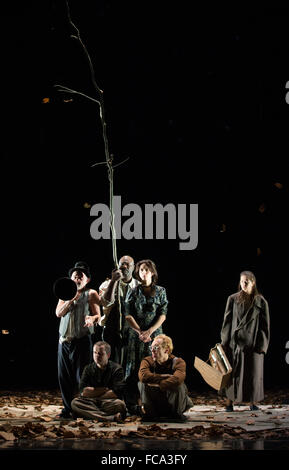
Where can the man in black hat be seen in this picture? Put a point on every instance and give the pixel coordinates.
(78, 316)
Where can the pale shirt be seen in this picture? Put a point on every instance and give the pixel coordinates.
(124, 288)
(72, 324)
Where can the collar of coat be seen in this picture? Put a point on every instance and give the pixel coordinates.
(252, 313)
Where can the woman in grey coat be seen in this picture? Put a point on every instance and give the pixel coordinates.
(245, 338)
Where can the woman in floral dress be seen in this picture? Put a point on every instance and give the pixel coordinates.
(145, 312)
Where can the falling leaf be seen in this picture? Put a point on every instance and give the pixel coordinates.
(45, 100)
(278, 185)
(86, 205)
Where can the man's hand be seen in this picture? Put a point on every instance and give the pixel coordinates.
(76, 297)
(116, 275)
(94, 392)
(109, 394)
(91, 319)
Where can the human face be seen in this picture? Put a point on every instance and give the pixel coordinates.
(246, 284)
(160, 354)
(80, 279)
(126, 265)
(145, 274)
(100, 356)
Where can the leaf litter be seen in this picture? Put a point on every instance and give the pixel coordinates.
(45, 428)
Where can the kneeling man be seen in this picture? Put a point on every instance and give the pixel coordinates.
(101, 388)
(162, 388)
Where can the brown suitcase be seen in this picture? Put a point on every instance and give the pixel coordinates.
(218, 373)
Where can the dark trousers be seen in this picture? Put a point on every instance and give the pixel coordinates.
(95, 337)
(131, 392)
(113, 338)
(169, 403)
(72, 358)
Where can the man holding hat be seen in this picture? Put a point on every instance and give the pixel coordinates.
(78, 316)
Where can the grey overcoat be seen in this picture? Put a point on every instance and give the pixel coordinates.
(245, 336)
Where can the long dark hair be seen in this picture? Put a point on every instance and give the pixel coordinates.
(152, 267)
(243, 297)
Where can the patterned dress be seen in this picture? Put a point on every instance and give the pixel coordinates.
(146, 311)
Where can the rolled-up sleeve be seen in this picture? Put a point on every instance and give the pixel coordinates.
(102, 290)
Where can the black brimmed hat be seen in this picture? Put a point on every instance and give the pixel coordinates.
(80, 266)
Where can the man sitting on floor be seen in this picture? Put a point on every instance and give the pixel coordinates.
(101, 387)
(162, 388)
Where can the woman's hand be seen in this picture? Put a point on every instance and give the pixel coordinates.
(145, 336)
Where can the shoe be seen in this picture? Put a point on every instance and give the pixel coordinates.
(146, 418)
(254, 408)
(118, 418)
(65, 414)
(165, 419)
(178, 419)
(136, 410)
(229, 408)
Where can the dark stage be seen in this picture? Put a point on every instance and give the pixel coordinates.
(196, 113)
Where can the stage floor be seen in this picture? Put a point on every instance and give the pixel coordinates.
(28, 423)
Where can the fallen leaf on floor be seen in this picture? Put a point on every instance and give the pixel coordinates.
(47, 419)
(50, 434)
(7, 436)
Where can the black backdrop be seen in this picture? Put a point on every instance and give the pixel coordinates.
(195, 97)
